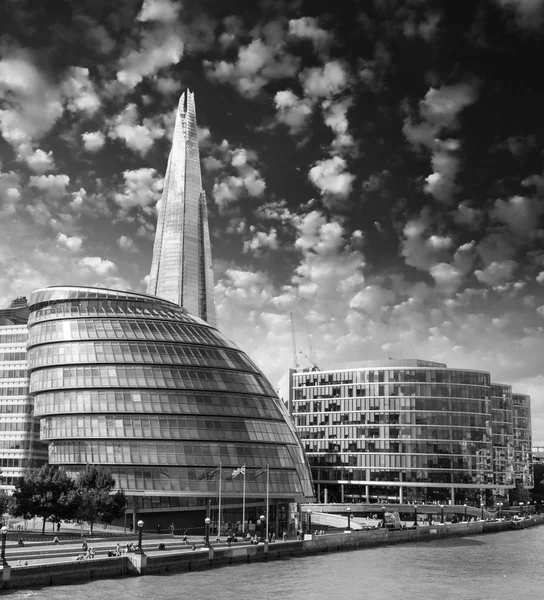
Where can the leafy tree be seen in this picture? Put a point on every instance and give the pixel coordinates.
(92, 498)
(45, 493)
(6, 504)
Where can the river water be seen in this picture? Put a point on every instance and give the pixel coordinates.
(500, 566)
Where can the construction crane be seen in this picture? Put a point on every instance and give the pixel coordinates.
(295, 355)
(314, 366)
(311, 350)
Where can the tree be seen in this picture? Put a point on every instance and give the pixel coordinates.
(93, 499)
(5, 504)
(45, 493)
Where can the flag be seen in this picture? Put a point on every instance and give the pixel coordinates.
(239, 471)
(261, 471)
(209, 474)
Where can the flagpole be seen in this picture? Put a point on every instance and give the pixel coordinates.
(244, 505)
(219, 516)
(267, 501)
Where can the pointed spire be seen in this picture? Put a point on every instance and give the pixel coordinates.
(181, 270)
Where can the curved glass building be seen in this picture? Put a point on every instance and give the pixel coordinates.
(408, 431)
(165, 401)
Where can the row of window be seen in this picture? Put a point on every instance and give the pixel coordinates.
(106, 329)
(167, 427)
(12, 356)
(23, 407)
(404, 447)
(412, 433)
(392, 375)
(7, 373)
(136, 401)
(149, 377)
(11, 338)
(14, 390)
(208, 455)
(13, 463)
(16, 425)
(427, 476)
(393, 420)
(137, 352)
(176, 479)
(404, 392)
(111, 307)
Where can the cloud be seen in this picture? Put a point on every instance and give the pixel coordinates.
(420, 251)
(520, 214)
(335, 116)
(439, 111)
(98, 265)
(326, 81)
(142, 188)
(263, 60)
(441, 183)
(79, 91)
(373, 300)
(497, 273)
(40, 161)
(158, 49)
(126, 243)
(72, 243)
(529, 13)
(261, 241)
(307, 28)
(292, 110)
(93, 141)
(159, 10)
(136, 136)
(53, 184)
(331, 178)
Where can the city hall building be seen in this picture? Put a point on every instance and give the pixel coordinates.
(167, 403)
(410, 431)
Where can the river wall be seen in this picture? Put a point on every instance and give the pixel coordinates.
(178, 562)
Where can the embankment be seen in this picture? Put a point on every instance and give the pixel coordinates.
(175, 561)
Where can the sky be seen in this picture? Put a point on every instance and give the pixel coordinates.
(374, 169)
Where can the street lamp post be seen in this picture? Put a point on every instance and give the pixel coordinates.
(465, 511)
(263, 521)
(442, 513)
(207, 520)
(310, 521)
(140, 524)
(521, 509)
(349, 518)
(4, 532)
(415, 515)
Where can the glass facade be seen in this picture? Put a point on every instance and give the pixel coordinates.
(135, 383)
(20, 446)
(408, 430)
(181, 270)
(521, 409)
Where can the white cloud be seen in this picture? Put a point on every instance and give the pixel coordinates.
(292, 110)
(374, 299)
(136, 136)
(93, 141)
(98, 265)
(126, 243)
(529, 13)
(158, 49)
(72, 243)
(331, 178)
(159, 10)
(420, 251)
(447, 277)
(441, 183)
(335, 114)
(519, 213)
(40, 161)
(261, 241)
(497, 273)
(53, 184)
(79, 91)
(142, 188)
(308, 28)
(540, 278)
(326, 81)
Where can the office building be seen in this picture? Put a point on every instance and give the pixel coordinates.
(20, 446)
(410, 431)
(164, 400)
(181, 269)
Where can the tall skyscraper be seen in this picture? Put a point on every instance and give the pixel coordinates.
(181, 270)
